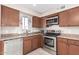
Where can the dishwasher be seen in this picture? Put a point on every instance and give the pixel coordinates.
(13, 46)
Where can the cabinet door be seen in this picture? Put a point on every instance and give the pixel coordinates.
(62, 47)
(73, 50)
(63, 18)
(41, 41)
(35, 42)
(4, 20)
(0, 15)
(1, 47)
(10, 17)
(26, 46)
(36, 22)
(74, 17)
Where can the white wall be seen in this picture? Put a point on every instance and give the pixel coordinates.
(66, 30)
(67, 6)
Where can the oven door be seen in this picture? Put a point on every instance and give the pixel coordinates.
(49, 41)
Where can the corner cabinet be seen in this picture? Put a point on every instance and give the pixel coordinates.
(37, 41)
(9, 16)
(69, 17)
(37, 22)
(31, 43)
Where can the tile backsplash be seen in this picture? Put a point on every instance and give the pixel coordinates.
(7, 30)
(66, 30)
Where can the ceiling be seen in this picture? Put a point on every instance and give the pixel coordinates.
(42, 8)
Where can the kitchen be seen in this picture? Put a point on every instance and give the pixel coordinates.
(24, 32)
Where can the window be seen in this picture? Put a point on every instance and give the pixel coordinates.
(25, 22)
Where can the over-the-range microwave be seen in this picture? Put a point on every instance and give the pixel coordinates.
(52, 21)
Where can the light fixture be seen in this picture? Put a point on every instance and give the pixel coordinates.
(34, 4)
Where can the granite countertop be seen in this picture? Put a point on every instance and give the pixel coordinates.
(5, 37)
(70, 36)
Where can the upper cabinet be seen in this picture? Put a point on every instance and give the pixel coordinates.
(74, 17)
(0, 16)
(63, 18)
(69, 17)
(37, 22)
(9, 16)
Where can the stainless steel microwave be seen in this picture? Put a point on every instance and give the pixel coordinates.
(52, 21)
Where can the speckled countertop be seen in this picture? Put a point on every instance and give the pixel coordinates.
(70, 36)
(5, 37)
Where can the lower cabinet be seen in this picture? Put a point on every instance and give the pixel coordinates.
(1, 47)
(73, 50)
(26, 45)
(41, 41)
(62, 46)
(67, 46)
(35, 43)
(31, 43)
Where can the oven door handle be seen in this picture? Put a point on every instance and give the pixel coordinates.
(48, 38)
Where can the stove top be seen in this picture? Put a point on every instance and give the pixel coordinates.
(51, 34)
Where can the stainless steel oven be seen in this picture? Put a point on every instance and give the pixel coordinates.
(50, 38)
(50, 42)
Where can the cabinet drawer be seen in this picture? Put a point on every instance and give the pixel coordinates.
(75, 42)
(62, 40)
(27, 38)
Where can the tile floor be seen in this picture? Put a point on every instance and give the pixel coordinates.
(42, 51)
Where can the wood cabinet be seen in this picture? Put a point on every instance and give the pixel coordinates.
(37, 22)
(73, 47)
(62, 46)
(41, 40)
(0, 15)
(74, 17)
(69, 17)
(73, 50)
(63, 18)
(9, 16)
(27, 45)
(1, 47)
(67, 46)
(37, 42)
(31, 43)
